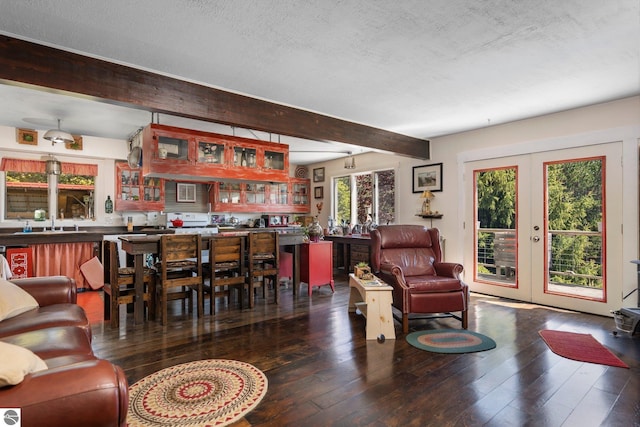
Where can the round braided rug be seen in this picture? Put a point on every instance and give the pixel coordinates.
(213, 392)
(450, 341)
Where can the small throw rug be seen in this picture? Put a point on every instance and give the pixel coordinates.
(450, 341)
(213, 392)
(580, 347)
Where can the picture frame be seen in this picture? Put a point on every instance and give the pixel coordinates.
(427, 177)
(27, 136)
(318, 175)
(76, 144)
(318, 192)
(185, 193)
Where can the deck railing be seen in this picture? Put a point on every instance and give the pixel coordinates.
(574, 257)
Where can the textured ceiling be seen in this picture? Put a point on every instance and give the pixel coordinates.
(419, 67)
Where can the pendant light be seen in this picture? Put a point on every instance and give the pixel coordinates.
(350, 162)
(58, 135)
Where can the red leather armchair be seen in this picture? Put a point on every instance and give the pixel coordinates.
(409, 258)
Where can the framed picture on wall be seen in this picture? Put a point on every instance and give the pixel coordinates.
(427, 177)
(318, 192)
(27, 136)
(318, 175)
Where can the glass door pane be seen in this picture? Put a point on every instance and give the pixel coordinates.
(495, 226)
(574, 196)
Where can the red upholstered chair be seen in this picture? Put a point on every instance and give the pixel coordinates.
(409, 258)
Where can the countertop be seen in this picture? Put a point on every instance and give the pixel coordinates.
(13, 237)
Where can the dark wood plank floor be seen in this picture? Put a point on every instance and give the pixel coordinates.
(323, 372)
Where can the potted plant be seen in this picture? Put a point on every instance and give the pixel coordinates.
(362, 270)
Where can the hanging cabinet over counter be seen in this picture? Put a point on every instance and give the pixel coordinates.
(135, 192)
(189, 155)
(267, 197)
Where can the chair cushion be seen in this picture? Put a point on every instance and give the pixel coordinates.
(130, 271)
(427, 284)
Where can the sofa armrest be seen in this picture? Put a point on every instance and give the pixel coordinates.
(448, 269)
(50, 290)
(88, 393)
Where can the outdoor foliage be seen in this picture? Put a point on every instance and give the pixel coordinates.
(574, 204)
(374, 192)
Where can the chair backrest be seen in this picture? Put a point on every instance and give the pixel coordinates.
(414, 248)
(180, 248)
(110, 261)
(264, 247)
(227, 253)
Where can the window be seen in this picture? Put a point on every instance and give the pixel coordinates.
(363, 197)
(27, 189)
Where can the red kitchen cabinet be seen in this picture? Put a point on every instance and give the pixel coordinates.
(316, 264)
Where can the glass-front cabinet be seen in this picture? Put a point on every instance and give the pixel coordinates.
(300, 195)
(261, 197)
(210, 152)
(229, 194)
(274, 160)
(135, 192)
(170, 152)
(256, 193)
(174, 149)
(278, 193)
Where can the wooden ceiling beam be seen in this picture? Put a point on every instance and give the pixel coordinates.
(27, 63)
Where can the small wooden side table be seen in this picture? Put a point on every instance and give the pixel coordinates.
(374, 302)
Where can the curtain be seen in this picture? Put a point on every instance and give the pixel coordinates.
(39, 166)
(63, 259)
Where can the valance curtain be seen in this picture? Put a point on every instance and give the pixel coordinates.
(39, 166)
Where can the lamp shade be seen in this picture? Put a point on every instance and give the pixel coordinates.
(426, 194)
(58, 135)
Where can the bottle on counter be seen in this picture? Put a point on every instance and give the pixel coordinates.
(108, 205)
(129, 224)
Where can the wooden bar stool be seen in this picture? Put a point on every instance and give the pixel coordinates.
(225, 269)
(263, 264)
(180, 271)
(119, 285)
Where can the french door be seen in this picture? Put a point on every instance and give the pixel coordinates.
(544, 227)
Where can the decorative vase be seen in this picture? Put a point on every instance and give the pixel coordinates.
(315, 231)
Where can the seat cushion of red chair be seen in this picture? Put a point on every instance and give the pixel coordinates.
(428, 284)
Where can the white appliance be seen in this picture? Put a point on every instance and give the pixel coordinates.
(192, 222)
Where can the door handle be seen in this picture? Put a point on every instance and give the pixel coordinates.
(536, 238)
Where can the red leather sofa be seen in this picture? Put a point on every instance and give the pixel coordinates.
(77, 388)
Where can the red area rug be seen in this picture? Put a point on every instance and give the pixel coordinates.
(580, 347)
(213, 392)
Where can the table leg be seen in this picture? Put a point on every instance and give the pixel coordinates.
(138, 302)
(296, 269)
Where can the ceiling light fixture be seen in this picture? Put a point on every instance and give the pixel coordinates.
(350, 162)
(58, 135)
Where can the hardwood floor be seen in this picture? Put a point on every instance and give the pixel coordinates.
(323, 372)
